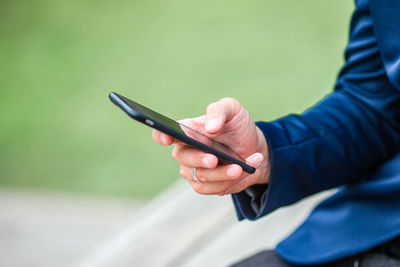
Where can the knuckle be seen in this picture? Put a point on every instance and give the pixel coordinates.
(182, 172)
(174, 153)
(211, 106)
(230, 100)
(231, 105)
(224, 192)
(198, 188)
(200, 176)
(229, 192)
(235, 189)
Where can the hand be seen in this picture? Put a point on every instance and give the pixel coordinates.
(228, 122)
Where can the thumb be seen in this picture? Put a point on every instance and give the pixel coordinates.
(219, 112)
(255, 160)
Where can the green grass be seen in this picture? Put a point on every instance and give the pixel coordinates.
(60, 59)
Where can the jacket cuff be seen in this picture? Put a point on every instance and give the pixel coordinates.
(282, 189)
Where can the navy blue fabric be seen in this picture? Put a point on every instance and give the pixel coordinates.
(350, 140)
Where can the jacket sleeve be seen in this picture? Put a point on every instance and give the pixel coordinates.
(347, 135)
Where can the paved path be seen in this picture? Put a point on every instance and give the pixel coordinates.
(49, 230)
(177, 228)
(181, 228)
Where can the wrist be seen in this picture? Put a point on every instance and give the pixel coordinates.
(265, 168)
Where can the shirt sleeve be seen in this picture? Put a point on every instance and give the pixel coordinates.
(347, 135)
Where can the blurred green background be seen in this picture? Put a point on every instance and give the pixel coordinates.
(60, 59)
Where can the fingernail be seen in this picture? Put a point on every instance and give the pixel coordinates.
(206, 162)
(163, 139)
(211, 125)
(231, 173)
(257, 159)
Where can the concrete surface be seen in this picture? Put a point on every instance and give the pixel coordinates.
(182, 228)
(47, 229)
(178, 228)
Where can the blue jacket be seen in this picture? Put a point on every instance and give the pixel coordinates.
(350, 140)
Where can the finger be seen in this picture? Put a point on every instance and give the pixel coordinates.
(255, 160)
(229, 172)
(215, 188)
(193, 122)
(162, 138)
(219, 174)
(222, 180)
(241, 184)
(220, 112)
(246, 180)
(210, 188)
(191, 157)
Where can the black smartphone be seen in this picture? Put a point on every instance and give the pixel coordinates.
(179, 131)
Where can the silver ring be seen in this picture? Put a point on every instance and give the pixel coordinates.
(194, 176)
